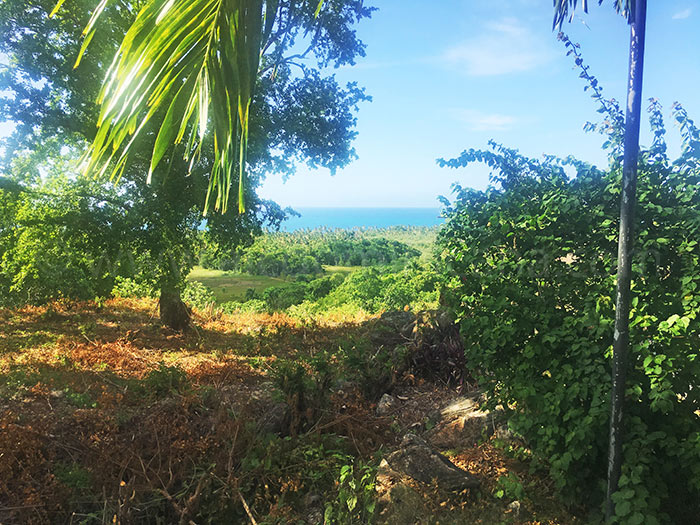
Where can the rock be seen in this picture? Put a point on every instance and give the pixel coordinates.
(314, 509)
(263, 392)
(386, 405)
(462, 424)
(275, 420)
(416, 459)
(343, 386)
(416, 427)
(514, 507)
(314, 516)
(400, 321)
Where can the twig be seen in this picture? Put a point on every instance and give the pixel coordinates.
(229, 465)
(334, 422)
(247, 510)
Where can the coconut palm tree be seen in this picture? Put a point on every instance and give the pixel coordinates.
(635, 12)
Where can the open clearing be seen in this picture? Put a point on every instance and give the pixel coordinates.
(231, 286)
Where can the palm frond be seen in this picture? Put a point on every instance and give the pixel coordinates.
(180, 58)
(564, 9)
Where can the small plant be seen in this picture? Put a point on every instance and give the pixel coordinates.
(128, 287)
(254, 306)
(165, 380)
(304, 387)
(80, 399)
(376, 369)
(509, 487)
(355, 502)
(73, 475)
(87, 329)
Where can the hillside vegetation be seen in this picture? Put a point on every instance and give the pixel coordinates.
(105, 417)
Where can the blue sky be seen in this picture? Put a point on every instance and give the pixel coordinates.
(448, 75)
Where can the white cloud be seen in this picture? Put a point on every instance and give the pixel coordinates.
(504, 47)
(480, 121)
(682, 15)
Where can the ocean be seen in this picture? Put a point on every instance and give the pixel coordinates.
(362, 218)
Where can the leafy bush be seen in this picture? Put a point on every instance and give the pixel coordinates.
(375, 289)
(198, 295)
(251, 306)
(128, 287)
(531, 280)
(282, 471)
(304, 387)
(282, 297)
(59, 238)
(375, 368)
(165, 380)
(321, 287)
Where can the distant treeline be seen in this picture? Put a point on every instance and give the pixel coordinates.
(304, 252)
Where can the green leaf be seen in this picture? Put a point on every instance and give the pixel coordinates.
(636, 519)
(623, 508)
(318, 8)
(83, 47)
(56, 8)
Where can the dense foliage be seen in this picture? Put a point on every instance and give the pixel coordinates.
(373, 289)
(305, 252)
(532, 278)
(61, 238)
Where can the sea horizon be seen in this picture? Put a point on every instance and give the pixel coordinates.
(348, 217)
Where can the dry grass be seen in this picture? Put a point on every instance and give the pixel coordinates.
(106, 417)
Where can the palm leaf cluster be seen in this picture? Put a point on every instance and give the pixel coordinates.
(564, 9)
(178, 60)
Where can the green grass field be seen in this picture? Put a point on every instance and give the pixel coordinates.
(230, 286)
(340, 269)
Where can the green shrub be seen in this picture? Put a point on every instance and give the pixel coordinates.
(54, 240)
(321, 287)
(255, 306)
(128, 287)
(73, 475)
(282, 297)
(375, 289)
(375, 369)
(304, 386)
(311, 463)
(198, 295)
(531, 267)
(165, 380)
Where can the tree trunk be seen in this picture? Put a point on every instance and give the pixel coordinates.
(173, 312)
(625, 245)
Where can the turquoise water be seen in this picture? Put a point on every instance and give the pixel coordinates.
(362, 218)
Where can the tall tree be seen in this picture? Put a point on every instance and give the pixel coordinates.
(635, 12)
(297, 115)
